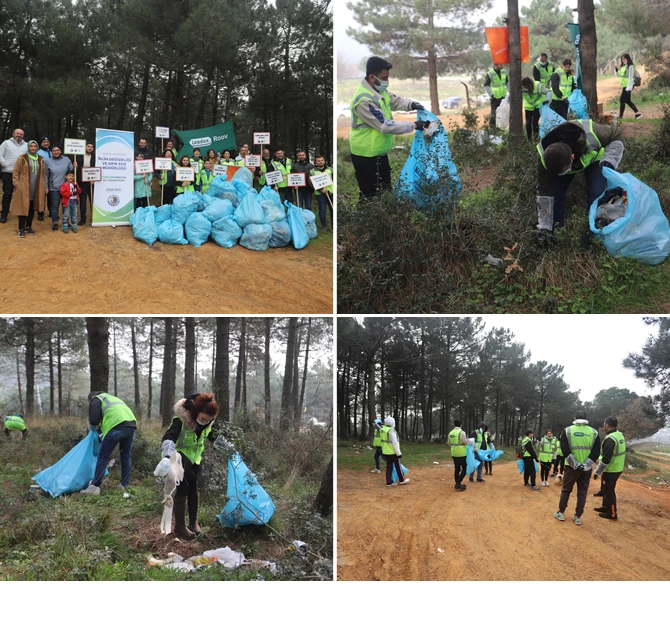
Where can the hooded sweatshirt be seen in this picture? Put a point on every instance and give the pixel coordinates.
(57, 169)
(393, 436)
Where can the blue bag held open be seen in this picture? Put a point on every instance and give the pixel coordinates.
(578, 104)
(299, 234)
(226, 232)
(549, 120)
(74, 471)
(643, 232)
(171, 232)
(144, 226)
(429, 177)
(248, 503)
(198, 228)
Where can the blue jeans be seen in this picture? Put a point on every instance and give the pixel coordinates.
(479, 468)
(123, 436)
(54, 202)
(70, 212)
(305, 197)
(378, 454)
(323, 209)
(595, 186)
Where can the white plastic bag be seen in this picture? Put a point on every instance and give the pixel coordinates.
(226, 556)
(502, 115)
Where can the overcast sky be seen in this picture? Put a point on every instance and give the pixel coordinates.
(351, 49)
(590, 347)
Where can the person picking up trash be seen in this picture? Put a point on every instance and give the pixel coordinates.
(572, 147)
(15, 422)
(373, 127)
(391, 452)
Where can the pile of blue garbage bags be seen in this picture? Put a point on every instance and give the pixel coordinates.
(230, 212)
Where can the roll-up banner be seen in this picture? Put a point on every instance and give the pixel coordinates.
(114, 195)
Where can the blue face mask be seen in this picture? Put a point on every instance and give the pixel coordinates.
(381, 86)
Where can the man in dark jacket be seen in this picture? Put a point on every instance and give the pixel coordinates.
(529, 459)
(610, 467)
(303, 165)
(143, 148)
(85, 161)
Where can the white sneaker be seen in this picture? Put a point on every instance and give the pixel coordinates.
(638, 115)
(126, 493)
(402, 483)
(375, 470)
(94, 490)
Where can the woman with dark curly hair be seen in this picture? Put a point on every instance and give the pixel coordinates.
(190, 427)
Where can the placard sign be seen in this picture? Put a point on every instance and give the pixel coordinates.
(220, 169)
(262, 137)
(296, 179)
(196, 167)
(320, 181)
(92, 174)
(143, 166)
(185, 174)
(252, 160)
(162, 132)
(274, 177)
(74, 147)
(163, 164)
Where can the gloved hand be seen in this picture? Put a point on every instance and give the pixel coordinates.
(420, 125)
(588, 464)
(400, 456)
(548, 98)
(416, 105)
(91, 428)
(572, 462)
(163, 467)
(580, 468)
(608, 165)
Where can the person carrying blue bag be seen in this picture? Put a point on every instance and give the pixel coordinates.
(572, 147)
(391, 452)
(529, 457)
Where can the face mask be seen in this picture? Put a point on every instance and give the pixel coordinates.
(202, 424)
(382, 86)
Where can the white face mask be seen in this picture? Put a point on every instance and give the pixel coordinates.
(202, 424)
(381, 86)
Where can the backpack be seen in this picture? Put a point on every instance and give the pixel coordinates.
(520, 449)
(637, 81)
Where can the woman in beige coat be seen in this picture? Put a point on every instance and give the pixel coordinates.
(29, 179)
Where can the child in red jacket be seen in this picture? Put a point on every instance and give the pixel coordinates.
(69, 192)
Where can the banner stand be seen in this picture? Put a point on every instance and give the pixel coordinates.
(295, 195)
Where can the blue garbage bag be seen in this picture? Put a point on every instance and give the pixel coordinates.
(243, 176)
(394, 473)
(226, 232)
(163, 213)
(185, 205)
(549, 120)
(310, 223)
(281, 234)
(218, 209)
(74, 471)
(248, 503)
(471, 462)
(520, 466)
(256, 236)
(489, 455)
(299, 234)
(271, 203)
(643, 232)
(171, 232)
(429, 177)
(578, 104)
(144, 225)
(223, 189)
(198, 228)
(249, 211)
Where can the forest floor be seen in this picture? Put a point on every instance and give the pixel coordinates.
(106, 270)
(499, 530)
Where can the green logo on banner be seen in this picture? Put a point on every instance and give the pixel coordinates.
(219, 137)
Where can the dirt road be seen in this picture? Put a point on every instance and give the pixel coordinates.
(106, 270)
(496, 530)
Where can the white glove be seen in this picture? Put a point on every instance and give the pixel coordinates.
(588, 464)
(163, 467)
(545, 213)
(600, 468)
(572, 462)
(168, 448)
(548, 98)
(488, 90)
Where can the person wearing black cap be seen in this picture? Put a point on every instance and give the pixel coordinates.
(45, 147)
(373, 127)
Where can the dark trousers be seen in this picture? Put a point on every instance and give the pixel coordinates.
(559, 462)
(27, 222)
(595, 186)
(495, 103)
(168, 194)
(580, 477)
(141, 202)
(305, 197)
(460, 469)
(625, 100)
(378, 455)
(373, 174)
(7, 192)
(391, 461)
(189, 486)
(561, 107)
(83, 200)
(124, 437)
(529, 471)
(54, 203)
(323, 209)
(488, 467)
(24, 433)
(532, 123)
(608, 486)
(545, 469)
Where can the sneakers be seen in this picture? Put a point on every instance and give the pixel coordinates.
(600, 509)
(390, 485)
(559, 516)
(481, 480)
(535, 488)
(638, 115)
(74, 229)
(40, 216)
(54, 227)
(22, 234)
(598, 494)
(577, 520)
(65, 228)
(608, 516)
(30, 231)
(376, 470)
(403, 482)
(461, 486)
(94, 490)
(126, 493)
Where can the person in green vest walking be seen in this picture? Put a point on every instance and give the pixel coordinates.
(547, 449)
(15, 422)
(495, 84)
(458, 443)
(391, 452)
(581, 445)
(373, 127)
(377, 444)
(543, 69)
(573, 147)
(190, 427)
(610, 467)
(626, 74)
(562, 83)
(117, 425)
(534, 95)
(481, 443)
(529, 459)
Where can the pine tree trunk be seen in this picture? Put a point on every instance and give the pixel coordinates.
(286, 415)
(189, 359)
(141, 106)
(136, 370)
(295, 386)
(166, 399)
(18, 380)
(323, 502)
(515, 97)
(588, 49)
(30, 364)
(266, 372)
(304, 371)
(51, 376)
(59, 366)
(97, 329)
(151, 360)
(222, 368)
(240, 365)
(116, 380)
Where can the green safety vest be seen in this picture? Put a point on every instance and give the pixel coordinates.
(385, 437)
(565, 84)
(15, 423)
(162, 180)
(227, 162)
(377, 439)
(498, 83)
(114, 412)
(328, 170)
(545, 72)
(525, 441)
(264, 169)
(206, 180)
(595, 150)
(285, 170)
(581, 440)
(479, 437)
(623, 76)
(363, 139)
(457, 449)
(559, 451)
(533, 101)
(546, 449)
(189, 444)
(619, 457)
